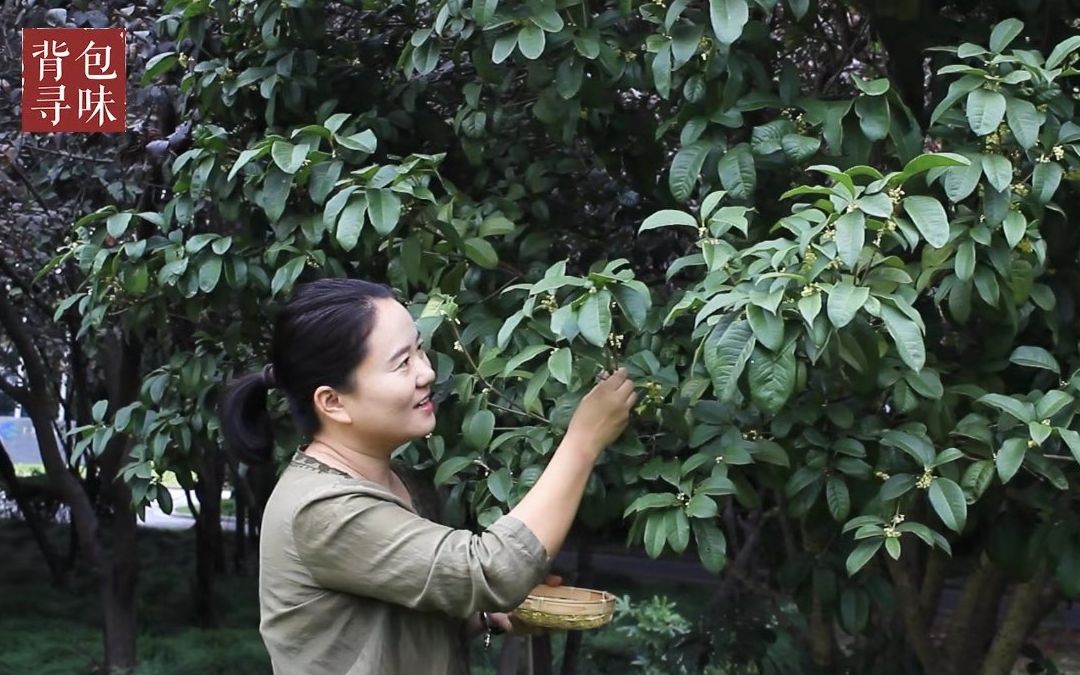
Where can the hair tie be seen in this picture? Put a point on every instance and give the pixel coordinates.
(268, 379)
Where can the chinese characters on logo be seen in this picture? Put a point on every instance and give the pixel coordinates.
(74, 79)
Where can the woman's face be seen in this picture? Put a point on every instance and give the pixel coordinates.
(394, 376)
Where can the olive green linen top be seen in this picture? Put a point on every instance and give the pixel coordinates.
(352, 581)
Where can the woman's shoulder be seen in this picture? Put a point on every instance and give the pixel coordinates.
(426, 499)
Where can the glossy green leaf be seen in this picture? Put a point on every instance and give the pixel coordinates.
(949, 503)
(727, 18)
(1009, 458)
(985, 110)
(929, 218)
(845, 300)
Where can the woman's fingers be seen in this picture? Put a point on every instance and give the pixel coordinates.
(553, 580)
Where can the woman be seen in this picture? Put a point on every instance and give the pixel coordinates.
(355, 576)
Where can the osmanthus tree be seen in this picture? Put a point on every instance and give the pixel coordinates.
(850, 313)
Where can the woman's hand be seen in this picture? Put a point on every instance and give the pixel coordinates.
(504, 623)
(604, 412)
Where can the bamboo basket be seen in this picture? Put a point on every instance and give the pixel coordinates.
(566, 608)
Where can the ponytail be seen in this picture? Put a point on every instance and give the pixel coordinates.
(245, 419)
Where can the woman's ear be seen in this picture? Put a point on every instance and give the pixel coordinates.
(329, 404)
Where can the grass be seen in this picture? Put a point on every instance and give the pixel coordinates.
(168, 479)
(52, 632)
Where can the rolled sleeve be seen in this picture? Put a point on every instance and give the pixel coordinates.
(366, 546)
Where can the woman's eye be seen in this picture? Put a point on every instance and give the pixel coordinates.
(404, 363)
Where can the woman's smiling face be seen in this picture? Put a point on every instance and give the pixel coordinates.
(393, 378)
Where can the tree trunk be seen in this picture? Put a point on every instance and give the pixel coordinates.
(1016, 625)
(208, 539)
(572, 648)
(57, 569)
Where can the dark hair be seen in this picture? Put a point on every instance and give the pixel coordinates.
(319, 338)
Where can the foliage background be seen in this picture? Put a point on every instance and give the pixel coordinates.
(838, 261)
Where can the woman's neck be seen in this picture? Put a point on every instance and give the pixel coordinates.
(352, 460)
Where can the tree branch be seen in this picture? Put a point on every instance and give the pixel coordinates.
(915, 624)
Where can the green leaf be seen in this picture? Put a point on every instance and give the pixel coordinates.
(653, 500)
(634, 301)
(961, 181)
(768, 327)
(998, 171)
(483, 11)
(667, 217)
(873, 114)
(985, 110)
(727, 349)
(1072, 439)
(384, 210)
(1009, 405)
(871, 87)
(364, 141)
(906, 335)
(560, 363)
(99, 410)
(1062, 51)
(209, 274)
(850, 237)
(678, 530)
(772, 378)
(1015, 227)
(481, 252)
(661, 71)
(1009, 458)
(478, 429)
(656, 534)
(594, 318)
(728, 18)
(531, 41)
(918, 448)
(737, 172)
(1004, 33)
(275, 193)
(896, 486)
(800, 148)
(948, 501)
(965, 260)
(717, 486)
(701, 506)
(1051, 403)
(810, 307)
(158, 65)
(499, 484)
(838, 499)
(287, 274)
(117, 224)
(288, 157)
(711, 544)
(323, 177)
(845, 300)
(504, 47)
(1034, 357)
(450, 468)
(569, 76)
(929, 218)
(1024, 120)
(854, 610)
(351, 223)
(862, 555)
(978, 476)
(1045, 180)
(685, 170)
